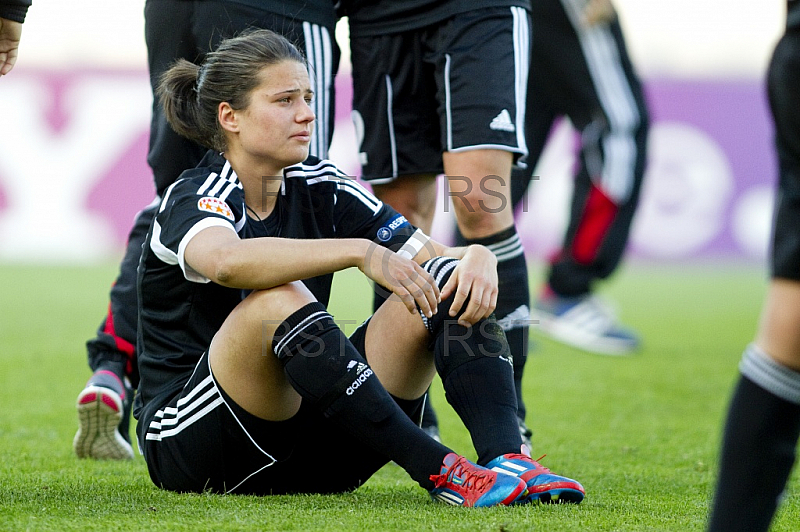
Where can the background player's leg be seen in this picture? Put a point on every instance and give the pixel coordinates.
(613, 126)
(104, 405)
(112, 351)
(763, 424)
(487, 220)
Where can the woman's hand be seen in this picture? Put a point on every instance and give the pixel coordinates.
(475, 278)
(404, 277)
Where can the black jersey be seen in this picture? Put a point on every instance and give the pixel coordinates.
(14, 9)
(378, 17)
(322, 12)
(793, 14)
(180, 310)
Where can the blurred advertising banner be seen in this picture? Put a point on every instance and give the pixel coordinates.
(73, 169)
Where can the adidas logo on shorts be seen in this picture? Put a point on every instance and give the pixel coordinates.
(502, 122)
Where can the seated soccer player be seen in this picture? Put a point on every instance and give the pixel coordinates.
(241, 365)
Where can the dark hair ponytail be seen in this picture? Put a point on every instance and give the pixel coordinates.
(177, 92)
(190, 94)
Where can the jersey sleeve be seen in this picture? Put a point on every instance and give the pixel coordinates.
(359, 214)
(184, 212)
(14, 9)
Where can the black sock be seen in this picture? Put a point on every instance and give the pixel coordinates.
(759, 442)
(326, 369)
(481, 391)
(476, 372)
(513, 300)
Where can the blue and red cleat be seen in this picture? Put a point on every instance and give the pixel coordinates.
(542, 485)
(462, 483)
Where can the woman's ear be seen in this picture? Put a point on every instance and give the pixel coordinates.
(227, 117)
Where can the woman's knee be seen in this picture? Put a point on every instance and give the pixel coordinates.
(276, 304)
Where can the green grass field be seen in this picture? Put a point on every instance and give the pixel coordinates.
(641, 433)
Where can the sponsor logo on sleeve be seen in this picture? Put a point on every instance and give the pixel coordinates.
(386, 232)
(215, 206)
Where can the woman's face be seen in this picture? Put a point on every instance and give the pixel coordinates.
(276, 126)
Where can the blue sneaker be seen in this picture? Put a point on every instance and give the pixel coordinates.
(104, 409)
(542, 485)
(462, 483)
(584, 322)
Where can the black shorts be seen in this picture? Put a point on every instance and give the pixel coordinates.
(783, 82)
(455, 86)
(200, 440)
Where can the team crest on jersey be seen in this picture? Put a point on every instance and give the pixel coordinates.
(215, 206)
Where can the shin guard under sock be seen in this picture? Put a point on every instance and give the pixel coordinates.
(327, 370)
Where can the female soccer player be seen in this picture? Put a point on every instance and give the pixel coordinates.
(247, 383)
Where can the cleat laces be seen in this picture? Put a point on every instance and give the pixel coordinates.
(470, 478)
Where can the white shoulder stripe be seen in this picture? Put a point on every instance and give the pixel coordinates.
(226, 168)
(361, 194)
(321, 179)
(210, 179)
(217, 187)
(323, 167)
(228, 189)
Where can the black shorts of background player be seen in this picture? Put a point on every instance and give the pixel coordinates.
(234, 337)
(12, 15)
(176, 29)
(763, 422)
(440, 89)
(580, 69)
